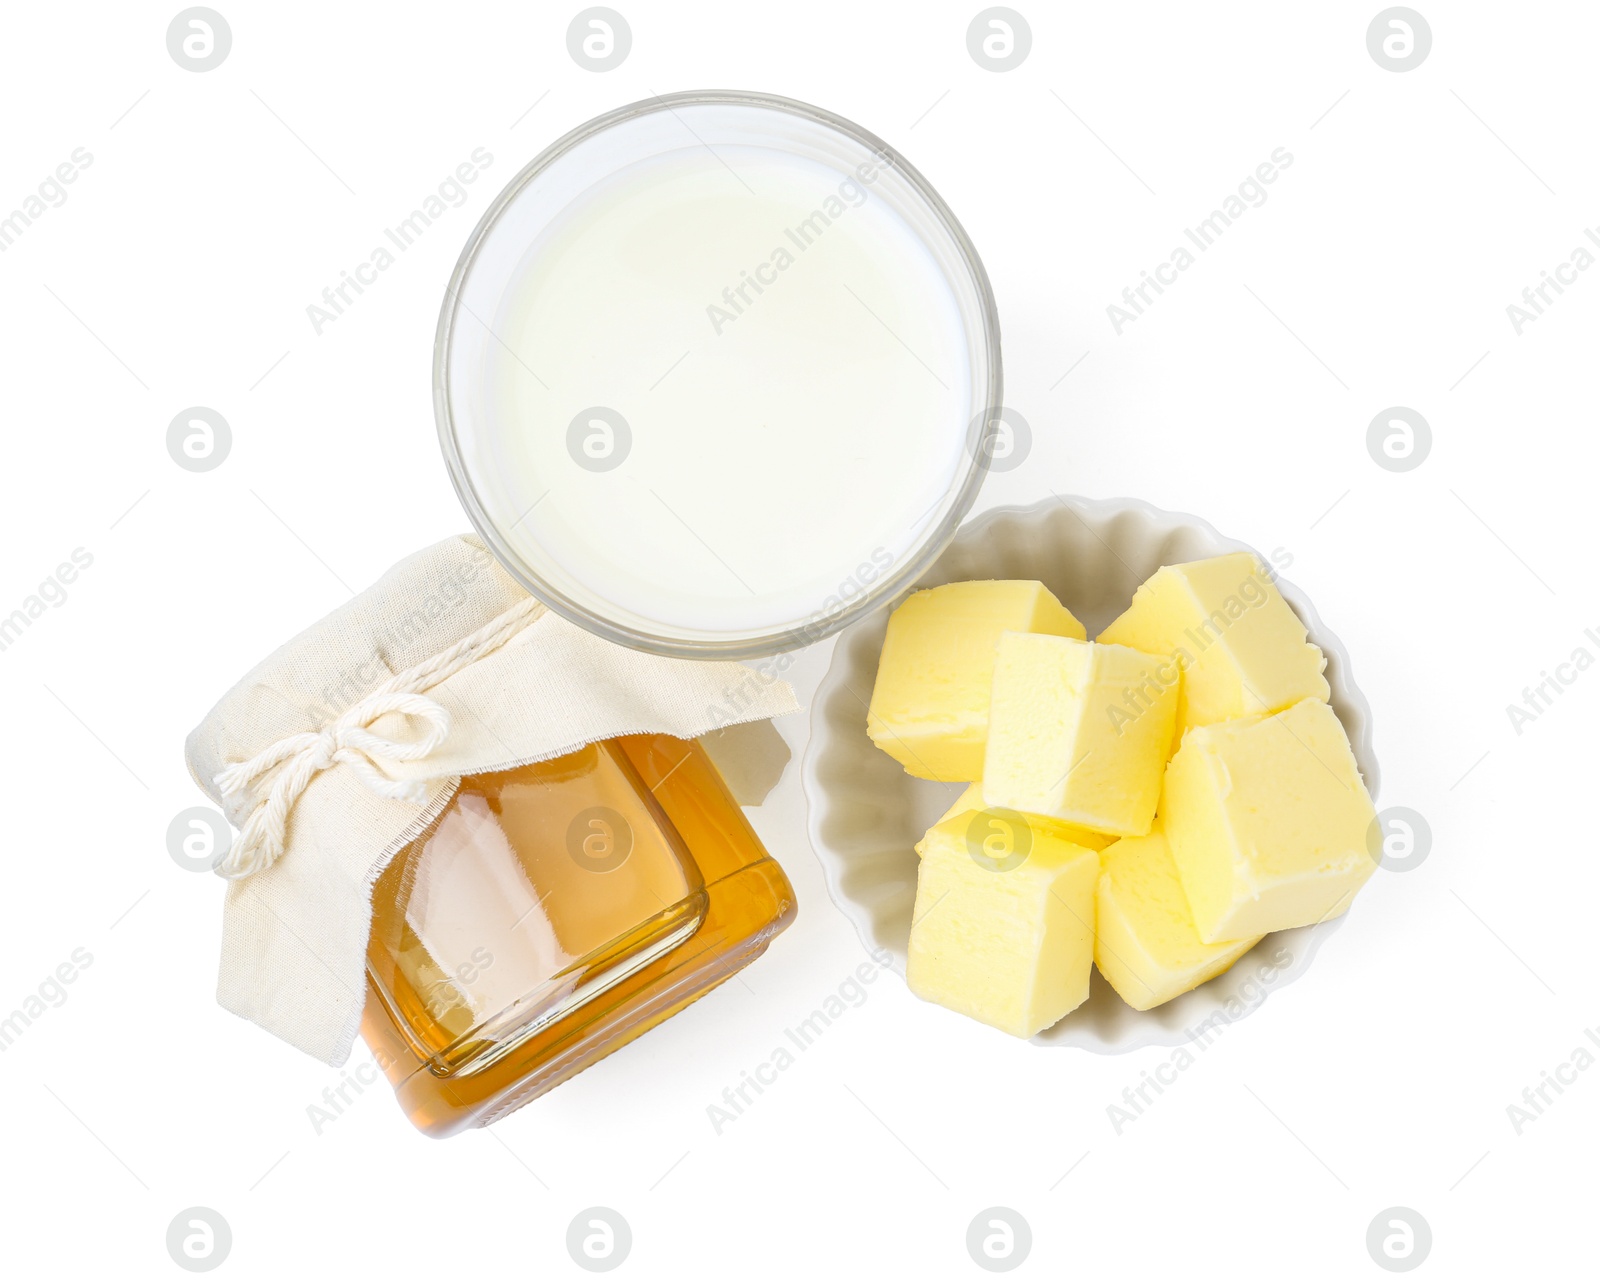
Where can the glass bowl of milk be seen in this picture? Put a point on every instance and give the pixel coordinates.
(717, 374)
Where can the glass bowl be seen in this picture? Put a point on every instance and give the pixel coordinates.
(717, 374)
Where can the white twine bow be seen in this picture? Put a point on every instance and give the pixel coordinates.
(276, 778)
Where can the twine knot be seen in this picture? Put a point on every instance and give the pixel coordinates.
(276, 778)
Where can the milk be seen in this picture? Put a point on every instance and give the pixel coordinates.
(728, 390)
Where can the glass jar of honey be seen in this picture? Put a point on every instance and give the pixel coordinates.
(551, 914)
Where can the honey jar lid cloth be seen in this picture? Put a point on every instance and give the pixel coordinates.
(340, 749)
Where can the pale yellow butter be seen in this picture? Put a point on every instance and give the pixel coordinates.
(1146, 945)
(971, 800)
(1078, 732)
(1268, 820)
(930, 703)
(1005, 937)
(1240, 647)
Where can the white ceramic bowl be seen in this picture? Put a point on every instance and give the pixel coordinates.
(866, 812)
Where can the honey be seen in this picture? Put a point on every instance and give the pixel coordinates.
(551, 914)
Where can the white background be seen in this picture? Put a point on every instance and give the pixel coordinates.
(1378, 273)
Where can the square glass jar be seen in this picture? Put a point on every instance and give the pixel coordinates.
(551, 914)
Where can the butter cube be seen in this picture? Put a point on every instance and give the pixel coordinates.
(1240, 646)
(930, 705)
(1078, 732)
(1267, 819)
(1146, 945)
(971, 800)
(1003, 929)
